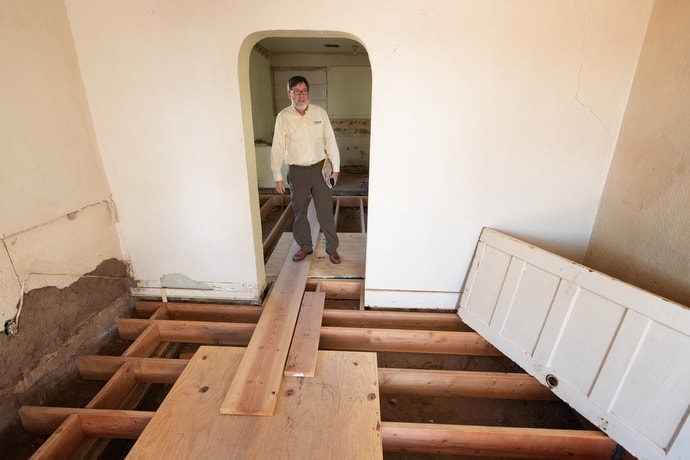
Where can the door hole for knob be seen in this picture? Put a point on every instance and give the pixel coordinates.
(552, 381)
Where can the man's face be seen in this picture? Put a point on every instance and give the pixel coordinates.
(299, 96)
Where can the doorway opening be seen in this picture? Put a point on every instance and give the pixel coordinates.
(340, 80)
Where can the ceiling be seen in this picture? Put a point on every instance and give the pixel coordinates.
(311, 45)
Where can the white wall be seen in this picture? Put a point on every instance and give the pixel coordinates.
(55, 219)
(484, 113)
(641, 233)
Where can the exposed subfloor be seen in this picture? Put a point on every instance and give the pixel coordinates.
(394, 406)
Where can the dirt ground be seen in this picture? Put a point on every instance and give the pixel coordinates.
(17, 444)
(72, 391)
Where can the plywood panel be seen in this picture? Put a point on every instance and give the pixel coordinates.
(352, 252)
(333, 415)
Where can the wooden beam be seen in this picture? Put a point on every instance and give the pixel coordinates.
(332, 338)
(146, 342)
(113, 393)
(62, 442)
(301, 360)
(393, 320)
(494, 385)
(338, 289)
(205, 332)
(410, 341)
(278, 229)
(204, 312)
(331, 317)
(254, 389)
(351, 201)
(96, 423)
(266, 208)
(486, 441)
(149, 370)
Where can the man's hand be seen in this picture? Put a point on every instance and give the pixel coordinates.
(280, 186)
(334, 178)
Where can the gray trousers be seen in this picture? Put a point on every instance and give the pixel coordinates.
(305, 181)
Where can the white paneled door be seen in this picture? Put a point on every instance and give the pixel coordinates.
(617, 354)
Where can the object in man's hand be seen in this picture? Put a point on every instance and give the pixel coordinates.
(326, 171)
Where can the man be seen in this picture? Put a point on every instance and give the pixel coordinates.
(303, 137)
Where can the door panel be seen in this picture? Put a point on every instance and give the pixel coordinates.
(617, 354)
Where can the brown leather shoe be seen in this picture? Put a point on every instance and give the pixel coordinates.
(301, 255)
(334, 257)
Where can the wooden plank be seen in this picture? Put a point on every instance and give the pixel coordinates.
(331, 317)
(161, 312)
(266, 208)
(351, 201)
(301, 360)
(406, 381)
(338, 288)
(411, 341)
(352, 250)
(485, 441)
(203, 312)
(334, 415)
(145, 343)
(150, 370)
(62, 442)
(253, 391)
(278, 229)
(432, 321)
(333, 338)
(96, 423)
(113, 393)
(472, 384)
(189, 331)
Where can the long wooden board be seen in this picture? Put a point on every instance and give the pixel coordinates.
(334, 415)
(254, 388)
(301, 361)
(497, 441)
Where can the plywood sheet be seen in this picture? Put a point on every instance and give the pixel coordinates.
(352, 251)
(333, 415)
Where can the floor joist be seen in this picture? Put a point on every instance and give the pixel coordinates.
(108, 414)
(493, 385)
(487, 441)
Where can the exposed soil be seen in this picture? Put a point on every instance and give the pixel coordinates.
(76, 305)
(17, 444)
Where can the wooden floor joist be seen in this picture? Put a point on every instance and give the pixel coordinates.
(150, 370)
(254, 386)
(96, 423)
(493, 385)
(63, 442)
(332, 338)
(487, 441)
(338, 318)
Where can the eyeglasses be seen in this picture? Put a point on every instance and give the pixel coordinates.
(304, 92)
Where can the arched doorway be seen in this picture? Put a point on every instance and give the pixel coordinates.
(339, 73)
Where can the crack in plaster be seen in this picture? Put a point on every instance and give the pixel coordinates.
(583, 23)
